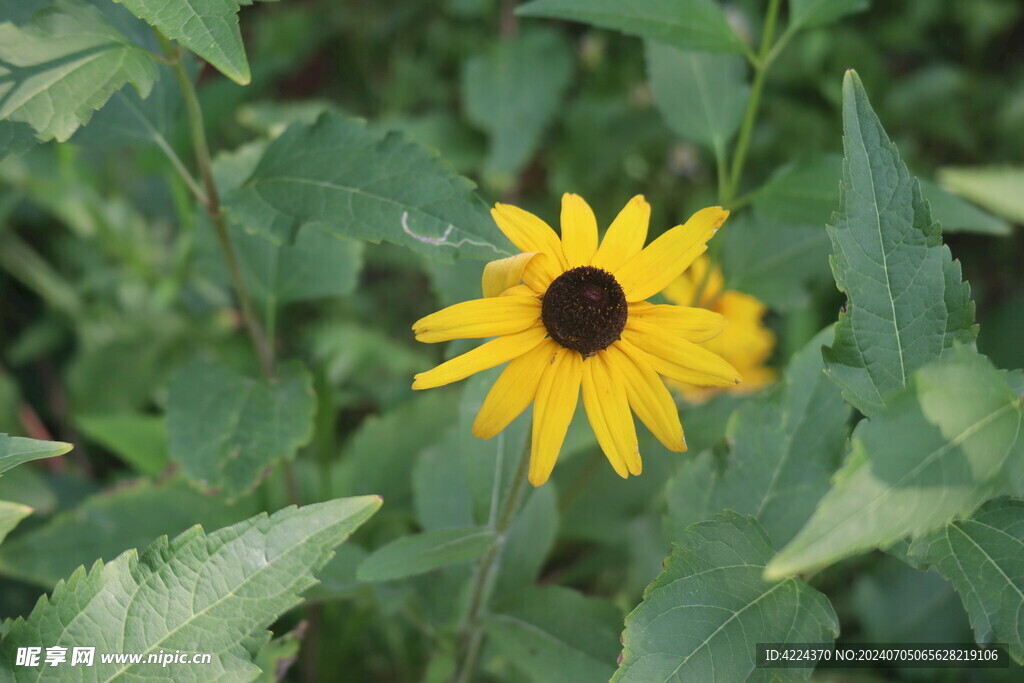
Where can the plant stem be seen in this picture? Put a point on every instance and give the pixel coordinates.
(471, 635)
(761, 65)
(212, 205)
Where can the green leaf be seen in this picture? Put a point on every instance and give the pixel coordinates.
(315, 265)
(220, 589)
(806, 192)
(107, 524)
(702, 618)
(810, 13)
(441, 494)
(226, 428)
(554, 634)
(63, 64)
(336, 176)
(512, 92)
(529, 541)
(984, 558)
(10, 515)
(779, 263)
(785, 446)
(14, 450)
(15, 137)
(129, 120)
(277, 656)
(937, 451)
(140, 440)
(996, 188)
(689, 24)
(907, 304)
(207, 27)
(700, 95)
(411, 555)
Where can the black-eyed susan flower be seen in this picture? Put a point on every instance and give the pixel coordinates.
(745, 342)
(568, 314)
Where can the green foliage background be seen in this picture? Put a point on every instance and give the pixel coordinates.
(872, 494)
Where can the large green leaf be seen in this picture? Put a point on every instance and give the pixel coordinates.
(334, 175)
(213, 593)
(995, 188)
(107, 524)
(512, 92)
(700, 95)
(553, 634)
(15, 137)
(63, 64)
(138, 439)
(15, 450)
(689, 24)
(315, 265)
(411, 555)
(785, 446)
(702, 618)
(984, 558)
(907, 304)
(207, 27)
(10, 515)
(809, 13)
(938, 450)
(226, 428)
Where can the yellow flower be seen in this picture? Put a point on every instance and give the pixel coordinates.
(569, 313)
(745, 342)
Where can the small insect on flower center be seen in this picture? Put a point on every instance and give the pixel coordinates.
(584, 309)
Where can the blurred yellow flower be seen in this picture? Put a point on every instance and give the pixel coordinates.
(745, 342)
(570, 313)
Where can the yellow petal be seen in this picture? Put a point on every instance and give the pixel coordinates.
(520, 290)
(530, 233)
(647, 394)
(479, 318)
(556, 399)
(514, 390)
(679, 359)
(604, 398)
(626, 235)
(665, 258)
(692, 324)
(485, 356)
(504, 273)
(696, 286)
(539, 273)
(579, 231)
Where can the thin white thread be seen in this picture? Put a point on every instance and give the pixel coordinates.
(443, 239)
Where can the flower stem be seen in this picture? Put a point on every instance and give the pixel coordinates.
(761, 65)
(212, 204)
(471, 635)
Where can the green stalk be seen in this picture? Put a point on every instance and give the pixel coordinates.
(212, 205)
(471, 635)
(761, 65)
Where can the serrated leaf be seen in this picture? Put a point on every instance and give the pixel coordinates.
(338, 177)
(199, 592)
(207, 27)
(553, 634)
(907, 304)
(107, 524)
(226, 428)
(785, 445)
(984, 558)
(63, 64)
(937, 451)
(995, 188)
(512, 92)
(702, 618)
(129, 120)
(315, 265)
(700, 95)
(10, 515)
(411, 555)
(689, 24)
(810, 13)
(15, 450)
(15, 137)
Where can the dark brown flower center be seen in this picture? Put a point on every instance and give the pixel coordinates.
(584, 309)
